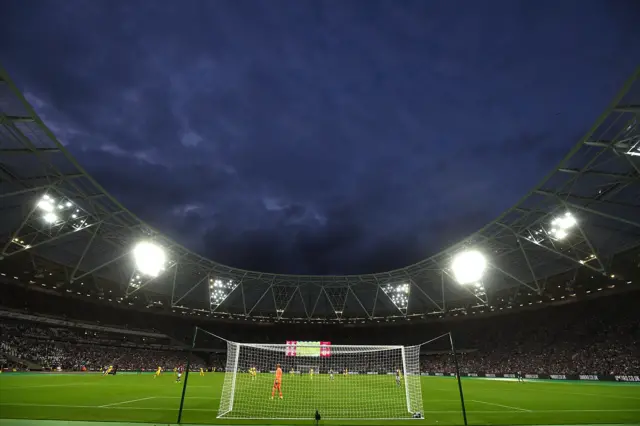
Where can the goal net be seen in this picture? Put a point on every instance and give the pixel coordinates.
(339, 381)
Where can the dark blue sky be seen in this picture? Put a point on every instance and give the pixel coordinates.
(319, 137)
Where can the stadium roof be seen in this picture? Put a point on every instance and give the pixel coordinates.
(91, 234)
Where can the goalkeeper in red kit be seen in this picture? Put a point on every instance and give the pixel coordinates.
(277, 384)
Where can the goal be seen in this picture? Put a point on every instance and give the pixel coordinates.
(349, 382)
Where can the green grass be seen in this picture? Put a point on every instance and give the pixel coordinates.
(141, 398)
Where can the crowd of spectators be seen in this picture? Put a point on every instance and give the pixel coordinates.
(597, 337)
(600, 336)
(71, 349)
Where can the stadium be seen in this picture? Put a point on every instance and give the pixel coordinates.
(532, 319)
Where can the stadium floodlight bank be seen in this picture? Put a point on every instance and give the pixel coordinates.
(341, 382)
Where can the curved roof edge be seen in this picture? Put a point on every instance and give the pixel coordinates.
(429, 260)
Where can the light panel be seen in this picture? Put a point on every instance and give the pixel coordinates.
(399, 294)
(560, 226)
(60, 211)
(219, 290)
(136, 281)
(150, 258)
(468, 267)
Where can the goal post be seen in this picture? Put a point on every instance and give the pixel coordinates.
(230, 377)
(348, 382)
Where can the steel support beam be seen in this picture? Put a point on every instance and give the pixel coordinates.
(360, 303)
(524, 254)
(261, 297)
(413, 283)
(84, 252)
(107, 263)
(196, 285)
(596, 212)
(280, 314)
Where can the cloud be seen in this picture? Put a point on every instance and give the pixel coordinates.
(146, 156)
(190, 139)
(324, 138)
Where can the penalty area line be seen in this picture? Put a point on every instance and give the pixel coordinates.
(500, 405)
(126, 402)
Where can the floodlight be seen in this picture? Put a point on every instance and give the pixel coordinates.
(150, 258)
(561, 224)
(468, 267)
(136, 281)
(559, 234)
(45, 204)
(398, 293)
(219, 290)
(50, 217)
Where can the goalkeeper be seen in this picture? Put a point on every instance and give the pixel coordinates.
(277, 384)
(398, 377)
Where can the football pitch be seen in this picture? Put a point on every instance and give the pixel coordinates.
(141, 398)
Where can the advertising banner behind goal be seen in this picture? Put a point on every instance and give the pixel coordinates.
(310, 349)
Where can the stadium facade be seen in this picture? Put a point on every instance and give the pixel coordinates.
(61, 231)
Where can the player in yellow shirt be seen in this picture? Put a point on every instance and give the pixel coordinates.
(292, 372)
(158, 372)
(311, 374)
(253, 373)
(108, 370)
(345, 372)
(202, 371)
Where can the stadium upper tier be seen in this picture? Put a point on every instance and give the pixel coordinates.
(581, 217)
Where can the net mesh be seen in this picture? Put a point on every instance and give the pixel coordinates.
(343, 382)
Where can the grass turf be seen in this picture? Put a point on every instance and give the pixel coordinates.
(141, 398)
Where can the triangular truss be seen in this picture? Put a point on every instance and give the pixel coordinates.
(53, 216)
(337, 297)
(399, 294)
(282, 296)
(219, 290)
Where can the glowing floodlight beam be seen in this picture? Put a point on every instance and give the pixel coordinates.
(561, 224)
(61, 212)
(51, 218)
(219, 290)
(468, 267)
(46, 204)
(150, 258)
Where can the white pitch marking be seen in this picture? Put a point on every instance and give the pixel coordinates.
(500, 405)
(581, 393)
(19, 404)
(188, 397)
(126, 402)
(49, 386)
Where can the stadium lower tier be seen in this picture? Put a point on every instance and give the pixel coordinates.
(143, 398)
